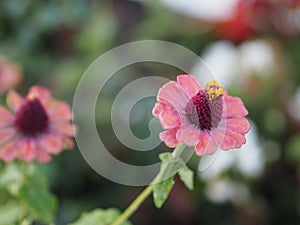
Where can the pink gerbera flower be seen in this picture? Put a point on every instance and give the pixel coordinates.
(35, 126)
(206, 118)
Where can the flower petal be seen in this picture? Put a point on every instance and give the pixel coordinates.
(43, 94)
(238, 125)
(157, 109)
(64, 128)
(228, 139)
(27, 150)
(6, 134)
(169, 137)
(169, 119)
(234, 107)
(173, 95)
(14, 100)
(206, 145)
(11, 75)
(8, 151)
(6, 118)
(239, 139)
(52, 143)
(189, 135)
(189, 84)
(42, 156)
(160, 107)
(58, 110)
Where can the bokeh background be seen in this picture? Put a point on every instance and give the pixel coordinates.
(253, 48)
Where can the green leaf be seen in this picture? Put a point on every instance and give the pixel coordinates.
(165, 156)
(26, 184)
(36, 196)
(164, 182)
(187, 177)
(9, 212)
(161, 191)
(99, 217)
(169, 166)
(11, 178)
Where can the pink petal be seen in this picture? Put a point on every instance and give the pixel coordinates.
(11, 75)
(27, 150)
(173, 95)
(189, 135)
(228, 143)
(64, 128)
(58, 110)
(68, 143)
(160, 107)
(6, 118)
(238, 125)
(6, 134)
(157, 109)
(206, 145)
(239, 138)
(14, 100)
(217, 135)
(229, 139)
(8, 151)
(234, 107)
(189, 84)
(43, 94)
(52, 143)
(169, 119)
(169, 137)
(42, 156)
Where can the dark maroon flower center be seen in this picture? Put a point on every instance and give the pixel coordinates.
(204, 112)
(32, 118)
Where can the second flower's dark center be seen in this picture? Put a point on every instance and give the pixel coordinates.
(204, 110)
(32, 118)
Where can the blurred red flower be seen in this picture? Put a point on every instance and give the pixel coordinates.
(253, 17)
(237, 27)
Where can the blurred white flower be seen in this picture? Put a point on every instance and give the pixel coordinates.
(249, 160)
(232, 64)
(257, 56)
(225, 190)
(203, 9)
(223, 59)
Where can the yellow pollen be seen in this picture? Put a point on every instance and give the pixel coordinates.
(31, 97)
(214, 90)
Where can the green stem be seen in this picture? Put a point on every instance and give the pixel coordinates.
(23, 210)
(142, 197)
(178, 150)
(24, 167)
(134, 206)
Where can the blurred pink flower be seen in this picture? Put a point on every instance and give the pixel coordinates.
(205, 118)
(35, 127)
(10, 75)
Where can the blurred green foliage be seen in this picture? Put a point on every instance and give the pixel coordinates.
(101, 217)
(29, 195)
